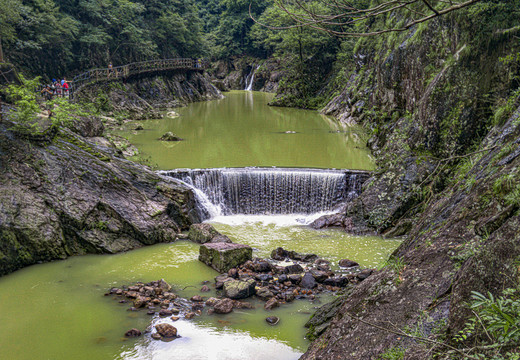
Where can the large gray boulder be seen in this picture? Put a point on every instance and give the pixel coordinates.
(239, 289)
(224, 256)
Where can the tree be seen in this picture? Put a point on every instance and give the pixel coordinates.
(9, 16)
(352, 18)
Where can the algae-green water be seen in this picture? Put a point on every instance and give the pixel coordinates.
(58, 311)
(242, 130)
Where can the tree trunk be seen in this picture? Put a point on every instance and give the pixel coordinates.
(1, 52)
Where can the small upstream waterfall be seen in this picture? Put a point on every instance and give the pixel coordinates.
(251, 78)
(270, 191)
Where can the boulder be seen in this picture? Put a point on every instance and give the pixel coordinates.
(347, 263)
(364, 274)
(272, 320)
(202, 233)
(239, 289)
(293, 269)
(264, 293)
(133, 333)
(224, 256)
(169, 136)
(164, 285)
(271, 304)
(166, 330)
(224, 306)
(308, 281)
(319, 275)
(165, 312)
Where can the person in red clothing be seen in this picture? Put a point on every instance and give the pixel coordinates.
(65, 86)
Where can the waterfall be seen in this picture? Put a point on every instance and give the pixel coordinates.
(251, 78)
(270, 191)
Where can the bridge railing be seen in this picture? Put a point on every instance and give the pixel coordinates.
(124, 71)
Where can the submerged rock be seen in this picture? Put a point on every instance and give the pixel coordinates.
(224, 256)
(347, 263)
(133, 333)
(169, 136)
(272, 320)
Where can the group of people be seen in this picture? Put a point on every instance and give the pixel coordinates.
(56, 88)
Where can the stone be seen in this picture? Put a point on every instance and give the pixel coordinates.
(347, 263)
(174, 318)
(308, 281)
(271, 304)
(197, 298)
(294, 269)
(165, 312)
(156, 336)
(202, 233)
(221, 239)
(133, 333)
(233, 273)
(339, 281)
(364, 274)
(139, 128)
(169, 136)
(264, 277)
(239, 289)
(139, 302)
(224, 306)
(224, 256)
(189, 315)
(272, 320)
(242, 305)
(205, 288)
(211, 301)
(264, 293)
(262, 266)
(319, 275)
(279, 254)
(166, 330)
(164, 285)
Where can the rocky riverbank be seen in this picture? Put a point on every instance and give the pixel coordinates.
(447, 178)
(145, 97)
(65, 195)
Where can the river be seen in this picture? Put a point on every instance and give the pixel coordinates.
(58, 310)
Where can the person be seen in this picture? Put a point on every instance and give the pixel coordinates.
(47, 92)
(110, 69)
(65, 86)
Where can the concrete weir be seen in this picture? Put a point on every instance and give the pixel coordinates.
(273, 191)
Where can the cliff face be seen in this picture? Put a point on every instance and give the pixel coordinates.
(143, 96)
(63, 195)
(443, 111)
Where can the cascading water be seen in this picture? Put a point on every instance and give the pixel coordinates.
(251, 78)
(270, 191)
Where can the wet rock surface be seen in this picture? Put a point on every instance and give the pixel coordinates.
(224, 256)
(204, 233)
(71, 196)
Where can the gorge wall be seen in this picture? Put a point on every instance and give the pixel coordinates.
(441, 104)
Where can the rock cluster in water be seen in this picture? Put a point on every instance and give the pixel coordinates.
(283, 278)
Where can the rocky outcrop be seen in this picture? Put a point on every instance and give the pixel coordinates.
(71, 196)
(142, 97)
(232, 74)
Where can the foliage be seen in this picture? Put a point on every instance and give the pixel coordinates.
(495, 325)
(23, 97)
(58, 37)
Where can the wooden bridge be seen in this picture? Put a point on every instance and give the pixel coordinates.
(133, 69)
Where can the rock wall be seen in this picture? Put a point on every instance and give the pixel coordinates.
(446, 163)
(68, 196)
(142, 96)
(232, 74)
